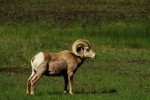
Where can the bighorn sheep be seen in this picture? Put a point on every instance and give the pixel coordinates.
(64, 63)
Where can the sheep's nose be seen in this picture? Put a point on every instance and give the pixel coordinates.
(94, 55)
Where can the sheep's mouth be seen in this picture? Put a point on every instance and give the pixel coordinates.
(93, 55)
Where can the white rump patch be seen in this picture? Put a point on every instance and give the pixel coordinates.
(37, 60)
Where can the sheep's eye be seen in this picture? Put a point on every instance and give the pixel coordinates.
(87, 49)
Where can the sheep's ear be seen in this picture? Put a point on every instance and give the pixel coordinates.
(79, 48)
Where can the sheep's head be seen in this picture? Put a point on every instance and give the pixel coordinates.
(82, 48)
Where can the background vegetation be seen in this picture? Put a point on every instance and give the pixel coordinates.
(118, 29)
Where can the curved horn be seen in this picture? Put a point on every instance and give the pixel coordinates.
(79, 43)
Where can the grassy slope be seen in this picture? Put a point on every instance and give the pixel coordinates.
(19, 43)
(27, 26)
(118, 29)
(71, 12)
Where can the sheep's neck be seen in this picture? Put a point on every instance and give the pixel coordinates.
(80, 60)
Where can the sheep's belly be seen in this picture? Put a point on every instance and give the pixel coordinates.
(56, 74)
(57, 68)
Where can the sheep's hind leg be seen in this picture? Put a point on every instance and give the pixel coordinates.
(29, 81)
(42, 68)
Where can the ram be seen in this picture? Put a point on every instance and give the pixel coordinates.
(64, 63)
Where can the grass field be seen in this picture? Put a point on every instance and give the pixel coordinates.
(115, 74)
(26, 40)
(118, 29)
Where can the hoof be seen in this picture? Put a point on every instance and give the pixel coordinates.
(65, 92)
(71, 93)
(32, 94)
(27, 93)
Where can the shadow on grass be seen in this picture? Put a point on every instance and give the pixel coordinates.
(80, 92)
(97, 92)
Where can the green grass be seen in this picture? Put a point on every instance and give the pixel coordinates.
(118, 29)
(19, 43)
(116, 74)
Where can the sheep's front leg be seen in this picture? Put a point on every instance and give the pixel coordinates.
(70, 78)
(42, 68)
(66, 83)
